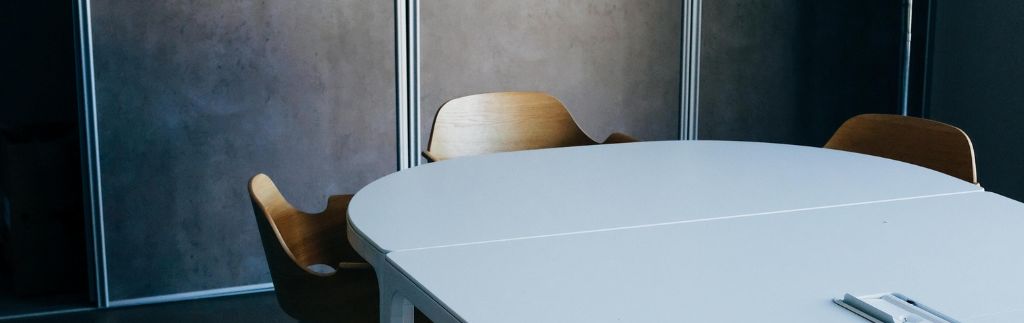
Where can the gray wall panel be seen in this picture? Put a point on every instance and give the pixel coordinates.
(976, 72)
(194, 97)
(614, 63)
(792, 71)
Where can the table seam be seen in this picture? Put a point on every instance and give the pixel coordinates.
(650, 225)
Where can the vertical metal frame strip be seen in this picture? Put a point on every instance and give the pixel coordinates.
(407, 62)
(414, 83)
(908, 21)
(90, 152)
(689, 70)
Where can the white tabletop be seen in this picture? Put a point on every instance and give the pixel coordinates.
(566, 190)
(959, 254)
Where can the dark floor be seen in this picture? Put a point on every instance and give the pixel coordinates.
(259, 307)
(12, 305)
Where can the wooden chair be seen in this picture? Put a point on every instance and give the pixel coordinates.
(295, 241)
(505, 121)
(922, 142)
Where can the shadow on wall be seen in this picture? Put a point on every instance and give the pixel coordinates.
(976, 68)
(792, 71)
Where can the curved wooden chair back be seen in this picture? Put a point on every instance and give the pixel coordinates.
(922, 142)
(499, 122)
(293, 241)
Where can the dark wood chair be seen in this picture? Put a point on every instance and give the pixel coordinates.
(505, 121)
(922, 142)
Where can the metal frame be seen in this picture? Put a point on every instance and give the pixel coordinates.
(45, 313)
(689, 71)
(908, 16)
(407, 74)
(200, 294)
(90, 151)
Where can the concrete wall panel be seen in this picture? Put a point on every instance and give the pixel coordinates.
(195, 97)
(614, 63)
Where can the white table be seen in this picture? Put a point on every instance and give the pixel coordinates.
(958, 254)
(601, 190)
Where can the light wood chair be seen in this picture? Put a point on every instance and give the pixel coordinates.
(297, 244)
(505, 121)
(922, 142)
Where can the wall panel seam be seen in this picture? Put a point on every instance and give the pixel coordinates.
(407, 71)
(689, 101)
(90, 151)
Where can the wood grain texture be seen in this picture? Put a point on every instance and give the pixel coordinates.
(922, 142)
(294, 240)
(505, 121)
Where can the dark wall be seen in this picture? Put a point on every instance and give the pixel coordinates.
(195, 97)
(977, 64)
(42, 243)
(38, 65)
(614, 63)
(792, 71)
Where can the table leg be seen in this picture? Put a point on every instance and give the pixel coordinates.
(394, 308)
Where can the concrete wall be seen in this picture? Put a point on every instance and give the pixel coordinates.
(614, 63)
(792, 71)
(977, 64)
(195, 97)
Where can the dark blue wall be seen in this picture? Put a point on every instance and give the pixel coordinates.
(792, 71)
(977, 64)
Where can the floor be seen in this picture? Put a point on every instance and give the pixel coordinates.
(258, 307)
(11, 305)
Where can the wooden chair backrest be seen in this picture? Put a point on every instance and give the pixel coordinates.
(499, 122)
(305, 238)
(294, 240)
(922, 142)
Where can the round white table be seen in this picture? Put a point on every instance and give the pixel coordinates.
(542, 194)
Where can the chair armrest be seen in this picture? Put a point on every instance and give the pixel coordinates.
(619, 138)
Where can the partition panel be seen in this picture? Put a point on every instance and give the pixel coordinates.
(792, 71)
(614, 63)
(975, 84)
(195, 97)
